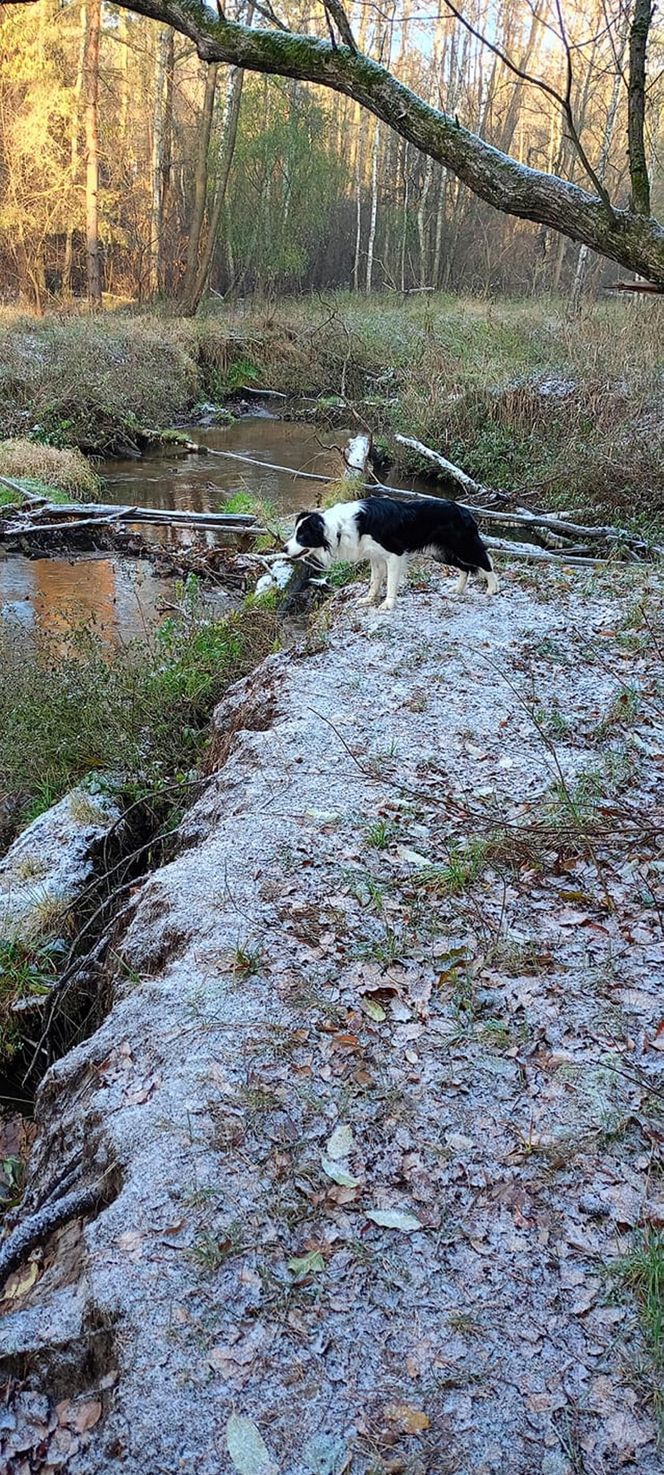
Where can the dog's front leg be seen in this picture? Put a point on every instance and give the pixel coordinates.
(376, 584)
(395, 567)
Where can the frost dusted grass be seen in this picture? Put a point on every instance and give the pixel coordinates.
(46, 469)
(520, 393)
(137, 715)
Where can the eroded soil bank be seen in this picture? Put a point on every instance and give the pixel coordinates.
(375, 1121)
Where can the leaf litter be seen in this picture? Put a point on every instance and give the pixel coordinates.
(404, 1155)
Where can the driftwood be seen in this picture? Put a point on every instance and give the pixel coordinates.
(470, 487)
(52, 517)
(563, 539)
(553, 525)
(38, 1227)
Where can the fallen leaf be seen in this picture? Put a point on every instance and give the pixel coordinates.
(247, 1448)
(302, 1265)
(410, 1420)
(339, 1175)
(21, 1282)
(240, 1353)
(459, 1142)
(87, 1415)
(325, 1454)
(340, 1143)
(393, 1219)
(132, 1243)
(374, 1010)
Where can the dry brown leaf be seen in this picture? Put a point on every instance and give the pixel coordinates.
(87, 1415)
(131, 1242)
(410, 1420)
(21, 1281)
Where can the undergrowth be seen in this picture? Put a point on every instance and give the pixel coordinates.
(642, 1272)
(70, 707)
(522, 394)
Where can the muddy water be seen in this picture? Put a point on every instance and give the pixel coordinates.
(121, 598)
(203, 483)
(125, 598)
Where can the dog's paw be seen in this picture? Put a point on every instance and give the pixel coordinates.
(367, 600)
(386, 606)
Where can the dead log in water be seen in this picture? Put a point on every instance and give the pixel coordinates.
(54, 517)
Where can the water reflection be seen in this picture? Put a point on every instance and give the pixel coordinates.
(203, 483)
(120, 598)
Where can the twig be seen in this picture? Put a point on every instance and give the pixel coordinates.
(39, 1226)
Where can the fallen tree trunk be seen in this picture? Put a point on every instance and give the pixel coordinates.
(470, 487)
(553, 523)
(75, 515)
(535, 554)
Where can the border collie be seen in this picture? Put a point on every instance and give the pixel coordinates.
(384, 532)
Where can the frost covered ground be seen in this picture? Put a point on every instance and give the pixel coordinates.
(377, 1113)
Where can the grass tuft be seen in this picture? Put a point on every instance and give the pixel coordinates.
(70, 706)
(44, 469)
(642, 1272)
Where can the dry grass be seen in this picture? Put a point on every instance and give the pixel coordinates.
(47, 466)
(522, 394)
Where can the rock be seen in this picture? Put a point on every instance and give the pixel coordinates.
(51, 861)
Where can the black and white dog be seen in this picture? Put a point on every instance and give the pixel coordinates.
(383, 531)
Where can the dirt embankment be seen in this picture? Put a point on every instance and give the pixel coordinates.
(376, 1114)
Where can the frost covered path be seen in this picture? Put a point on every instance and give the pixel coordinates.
(376, 1107)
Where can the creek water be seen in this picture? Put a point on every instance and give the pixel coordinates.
(124, 597)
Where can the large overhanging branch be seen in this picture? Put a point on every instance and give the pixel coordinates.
(634, 241)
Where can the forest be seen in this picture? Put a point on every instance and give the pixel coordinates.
(133, 171)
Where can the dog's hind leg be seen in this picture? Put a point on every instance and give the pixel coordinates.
(490, 578)
(395, 568)
(461, 581)
(376, 584)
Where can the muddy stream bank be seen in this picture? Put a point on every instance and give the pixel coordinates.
(123, 597)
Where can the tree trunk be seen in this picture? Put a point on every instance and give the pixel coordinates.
(421, 220)
(374, 208)
(636, 107)
(404, 219)
(123, 42)
(584, 252)
(91, 75)
(229, 135)
(73, 151)
(188, 288)
(160, 147)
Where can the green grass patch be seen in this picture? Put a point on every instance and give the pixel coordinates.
(70, 707)
(27, 969)
(464, 866)
(642, 1273)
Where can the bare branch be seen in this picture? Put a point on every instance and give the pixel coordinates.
(564, 102)
(335, 9)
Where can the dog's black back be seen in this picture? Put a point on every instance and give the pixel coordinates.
(449, 530)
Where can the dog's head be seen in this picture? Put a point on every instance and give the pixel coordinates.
(310, 539)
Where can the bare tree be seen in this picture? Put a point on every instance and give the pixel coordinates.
(638, 167)
(91, 78)
(160, 152)
(582, 215)
(188, 288)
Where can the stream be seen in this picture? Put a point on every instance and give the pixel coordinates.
(123, 597)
